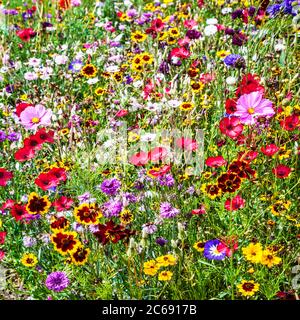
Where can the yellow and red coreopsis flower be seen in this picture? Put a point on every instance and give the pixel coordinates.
(87, 213)
(37, 205)
(248, 288)
(65, 242)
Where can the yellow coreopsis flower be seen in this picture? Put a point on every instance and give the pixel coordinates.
(165, 276)
(151, 267)
(253, 252)
(269, 259)
(29, 260)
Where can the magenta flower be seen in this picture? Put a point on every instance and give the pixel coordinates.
(252, 106)
(32, 117)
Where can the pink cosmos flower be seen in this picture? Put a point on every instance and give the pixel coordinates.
(32, 117)
(251, 106)
(187, 144)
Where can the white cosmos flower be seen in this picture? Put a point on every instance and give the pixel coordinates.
(112, 69)
(79, 55)
(148, 137)
(210, 30)
(93, 80)
(60, 59)
(226, 10)
(30, 76)
(173, 103)
(34, 62)
(231, 81)
(212, 21)
(279, 47)
(153, 106)
(137, 83)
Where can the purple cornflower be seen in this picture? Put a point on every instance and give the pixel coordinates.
(193, 34)
(164, 67)
(2, 136)
(166, 180)
(128, 79)
(9, 88)
(239, 39)
(211, 251)
(57, 281)
(110, 186)
(86, 197)
(237, 14)
(14, 136)
(12, 12)
(129, 198)
(161, 241)
(112, 208)
(29, 242)
(167, 211)
(131, 13)
(149, 228)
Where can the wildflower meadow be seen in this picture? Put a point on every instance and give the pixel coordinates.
(149, 150)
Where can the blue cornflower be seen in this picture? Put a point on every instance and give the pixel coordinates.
(232, 59)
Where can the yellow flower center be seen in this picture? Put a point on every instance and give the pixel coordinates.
(251, 110)
(35, 120)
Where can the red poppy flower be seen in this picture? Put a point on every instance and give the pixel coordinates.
(158, 25)
(230, 106)
(249, 83)
(270, 150)
(228, 245)
(231, 127)
(33, 143)
(247, 156)
(26, 34)
(2, 237)
(157, 154)
(20, 107)
(46, 181)
(42, 136)
(281, 171)
(62, 204)
(187, 144)
(290, 123)
(4, 176)
(235, 203)
(24, 154)
(64, 4)
(139, 159)
(207, 77)
(215, 162)
(19, 212)
(181, 53)
(289, 295)
(59, 173)
(200, 210)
